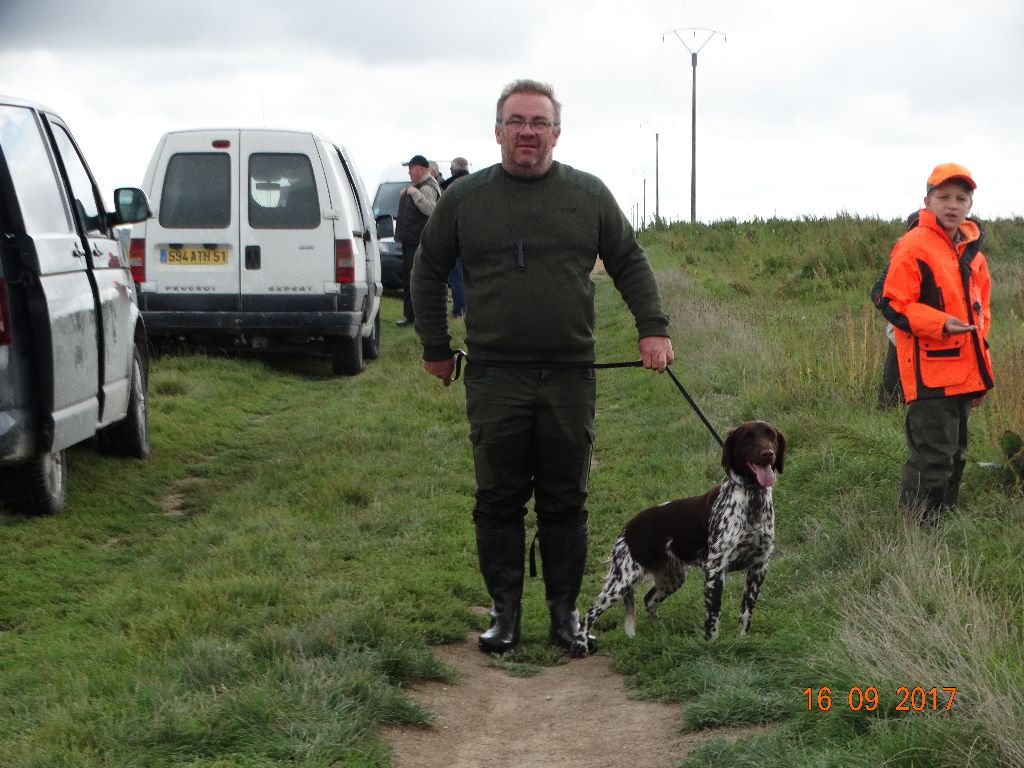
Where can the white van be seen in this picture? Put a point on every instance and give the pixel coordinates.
(264, 236)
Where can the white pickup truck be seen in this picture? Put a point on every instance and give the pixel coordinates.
(73, 349)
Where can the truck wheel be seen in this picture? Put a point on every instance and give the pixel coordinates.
(130, 436)
(37, 487)
(347, 355)
(371, 343)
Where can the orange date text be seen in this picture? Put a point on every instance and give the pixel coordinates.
(908, 699)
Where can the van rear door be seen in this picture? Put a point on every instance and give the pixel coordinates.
(287, 244)
(192, 258)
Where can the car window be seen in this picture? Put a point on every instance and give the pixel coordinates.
(197, 191)
(32, 172)
(82, 189)
(282, 192)
(385, 202)
(349, 197)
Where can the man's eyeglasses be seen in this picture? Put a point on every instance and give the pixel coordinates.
(538, 124)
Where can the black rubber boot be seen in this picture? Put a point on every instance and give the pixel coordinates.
(563, 554)
(502, 552)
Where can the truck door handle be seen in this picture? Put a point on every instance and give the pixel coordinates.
(252, 257)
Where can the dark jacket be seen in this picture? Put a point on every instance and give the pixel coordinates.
(455, 175)
(414, 209)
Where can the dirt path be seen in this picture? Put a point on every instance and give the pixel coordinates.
(568, 716)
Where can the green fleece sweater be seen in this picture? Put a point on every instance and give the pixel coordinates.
(537, 305)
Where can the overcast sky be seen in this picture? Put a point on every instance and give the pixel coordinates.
(804, 108)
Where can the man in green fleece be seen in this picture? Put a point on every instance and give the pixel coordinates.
(529, 231)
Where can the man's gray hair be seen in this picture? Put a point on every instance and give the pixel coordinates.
(529, 86)
(460, 164)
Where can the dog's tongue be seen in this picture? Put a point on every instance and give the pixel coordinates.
(765, 474)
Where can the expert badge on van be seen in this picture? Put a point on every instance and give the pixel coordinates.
(264, 236)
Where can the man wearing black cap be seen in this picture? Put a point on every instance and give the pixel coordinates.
(414, 208)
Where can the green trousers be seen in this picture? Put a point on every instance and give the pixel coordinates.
(532, 435)
(936, 430)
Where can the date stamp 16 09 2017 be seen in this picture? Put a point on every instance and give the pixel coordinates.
(908, 699)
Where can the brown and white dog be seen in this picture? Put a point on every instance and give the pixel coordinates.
(729, 528)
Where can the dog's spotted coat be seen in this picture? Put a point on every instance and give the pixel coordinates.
(729, 528)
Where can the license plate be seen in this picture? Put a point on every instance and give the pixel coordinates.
(191, 255)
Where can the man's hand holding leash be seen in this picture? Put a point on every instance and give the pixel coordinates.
(656, 352)
(443, 369)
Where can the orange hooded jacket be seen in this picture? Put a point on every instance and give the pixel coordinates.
(929, 279)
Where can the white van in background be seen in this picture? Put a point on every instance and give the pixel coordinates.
(263, 236)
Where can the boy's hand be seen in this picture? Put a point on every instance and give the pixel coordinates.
(956, 325)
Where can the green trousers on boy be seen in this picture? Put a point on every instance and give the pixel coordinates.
(936, 430)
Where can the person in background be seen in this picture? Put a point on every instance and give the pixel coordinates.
(435, 171)
(416, 203)
(529, 231)
(460, 168)
(936, 295)
(890, 391)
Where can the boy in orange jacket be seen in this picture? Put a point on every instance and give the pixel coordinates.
(936, 295)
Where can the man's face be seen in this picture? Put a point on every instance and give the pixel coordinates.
(417, 172)
(950, 202)
(527, 152)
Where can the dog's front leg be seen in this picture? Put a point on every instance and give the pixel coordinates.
(755, 577)
(714, 579)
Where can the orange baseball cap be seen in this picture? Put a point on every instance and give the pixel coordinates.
(947, 171)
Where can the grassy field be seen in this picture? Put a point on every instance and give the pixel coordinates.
(260, 591)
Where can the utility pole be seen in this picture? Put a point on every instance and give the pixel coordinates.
(657, 210)
(645, 203)
(693, 109)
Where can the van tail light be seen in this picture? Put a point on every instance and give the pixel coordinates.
(137, 258)
(344, 262)
(5, 316)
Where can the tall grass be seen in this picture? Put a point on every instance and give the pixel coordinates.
(929, 622)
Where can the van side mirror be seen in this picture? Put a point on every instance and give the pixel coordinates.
(385, 226)
(130, 206)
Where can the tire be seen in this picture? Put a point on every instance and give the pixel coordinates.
(130, 436)
(371, 343)
(37, 487)
(347, 355)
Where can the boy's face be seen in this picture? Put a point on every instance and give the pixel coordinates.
(951, 203)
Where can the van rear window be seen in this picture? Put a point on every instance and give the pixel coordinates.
(282, 192)
(385, 202)
(197, 191)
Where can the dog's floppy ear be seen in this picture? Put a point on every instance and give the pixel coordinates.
(780, 454)
(729, 449)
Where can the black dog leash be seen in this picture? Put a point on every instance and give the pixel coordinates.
(461, 355)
